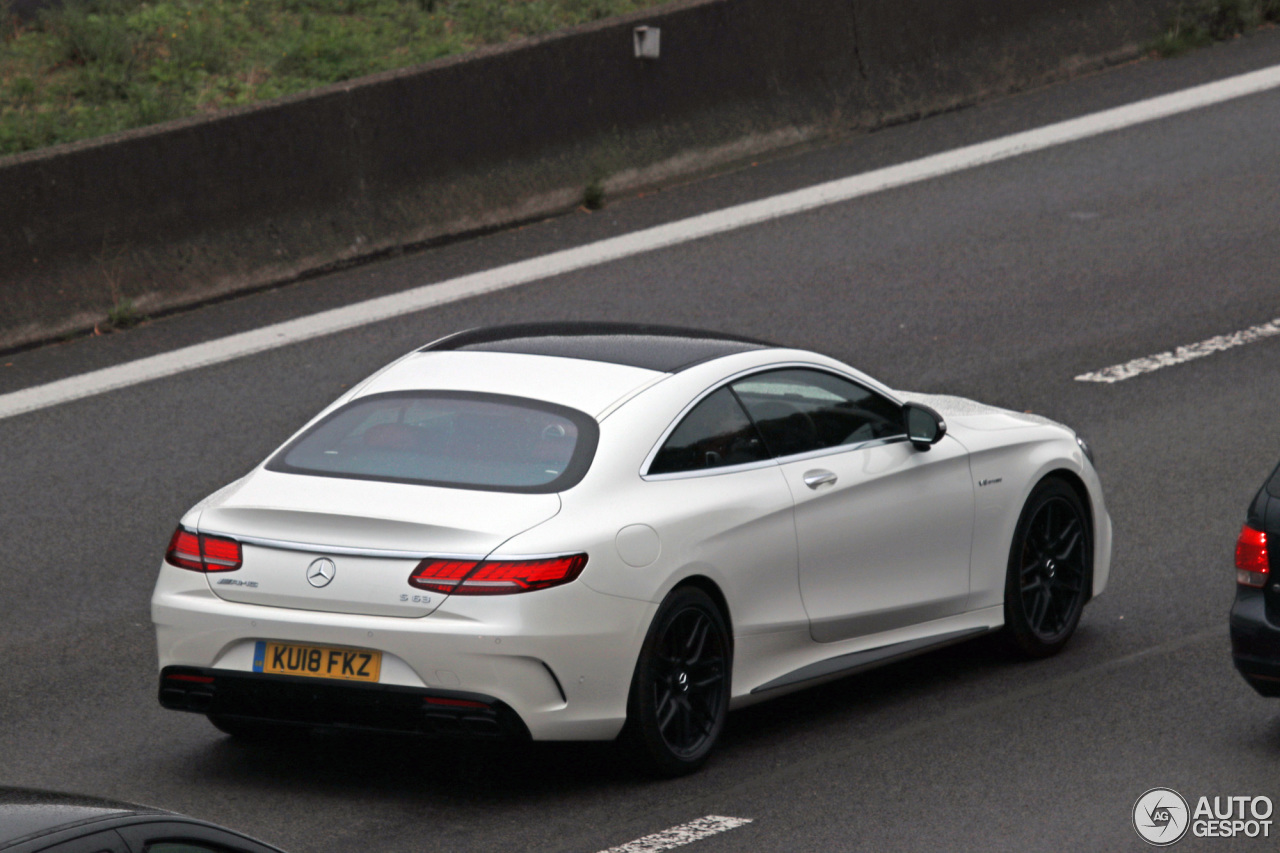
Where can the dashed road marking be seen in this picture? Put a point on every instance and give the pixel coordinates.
(1181, 355)
(635, 243)
(678, 836)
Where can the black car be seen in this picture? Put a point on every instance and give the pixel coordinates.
(1255, 616)
(48, 822)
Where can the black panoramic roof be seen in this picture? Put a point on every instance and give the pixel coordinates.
(663, 348)
(25, 812)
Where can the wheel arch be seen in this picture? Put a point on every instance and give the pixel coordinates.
(642, 734)
(712, 589)
(1031, 568)
(1072, 479)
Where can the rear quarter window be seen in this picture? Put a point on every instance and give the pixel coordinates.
(716, 433)
(452, 439)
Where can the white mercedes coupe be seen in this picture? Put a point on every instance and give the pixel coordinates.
(586, 531)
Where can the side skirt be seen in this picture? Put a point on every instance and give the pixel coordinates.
(848, 664)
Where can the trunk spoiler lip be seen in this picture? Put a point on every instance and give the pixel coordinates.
(345, 550)
(385, 553)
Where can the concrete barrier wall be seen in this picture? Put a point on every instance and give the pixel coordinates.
(197, 208)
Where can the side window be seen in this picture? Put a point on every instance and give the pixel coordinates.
(799, 410)
(715, 433)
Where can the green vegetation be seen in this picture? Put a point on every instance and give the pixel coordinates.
(99, 66)
(123, 315)
(1201, 23)
(593, 196)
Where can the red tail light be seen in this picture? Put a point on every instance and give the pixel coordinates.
(201, 553)
(184, 551)
(1252, 562)
(441, 575)
(220, 555)
(495, 577)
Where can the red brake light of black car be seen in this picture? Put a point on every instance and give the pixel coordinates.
(495, 577)
(201, 553)
(1252, 562)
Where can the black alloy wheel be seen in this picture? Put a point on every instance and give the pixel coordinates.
(1050, 570)
(680, 692)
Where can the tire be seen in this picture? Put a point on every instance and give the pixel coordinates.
(1050, 570)
(680, 691)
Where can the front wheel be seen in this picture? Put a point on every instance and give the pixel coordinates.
(680, 692)
(1050, 570)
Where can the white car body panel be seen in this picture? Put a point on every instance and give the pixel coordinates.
(887, 544)
(908, 548)
(1018, 450)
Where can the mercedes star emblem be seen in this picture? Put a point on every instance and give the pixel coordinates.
(320, 572)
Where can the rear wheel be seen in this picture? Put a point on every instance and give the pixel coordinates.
(1050, 569)
(680, 691)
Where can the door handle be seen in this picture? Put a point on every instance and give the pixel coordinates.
(818, 477)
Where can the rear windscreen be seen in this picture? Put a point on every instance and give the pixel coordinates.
(454, 439)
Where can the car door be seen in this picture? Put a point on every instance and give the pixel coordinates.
(884, 530)
(722, 505)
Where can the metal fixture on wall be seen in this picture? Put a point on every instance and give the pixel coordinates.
(647, 41)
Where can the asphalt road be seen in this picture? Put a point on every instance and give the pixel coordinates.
(1000, 283)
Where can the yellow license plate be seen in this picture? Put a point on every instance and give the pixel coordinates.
(316, 661)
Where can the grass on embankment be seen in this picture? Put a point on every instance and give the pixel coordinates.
(98, 66)
(1198, 24)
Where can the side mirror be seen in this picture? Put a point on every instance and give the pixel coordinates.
(925, 427)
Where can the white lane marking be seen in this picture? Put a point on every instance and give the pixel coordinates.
(1190, 352)
(678, 836)
(648, 240)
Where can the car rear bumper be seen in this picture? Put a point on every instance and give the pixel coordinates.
(310, 702)
(1255, 642)
(551, 665)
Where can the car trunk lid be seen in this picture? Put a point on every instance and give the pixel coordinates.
(349, 546)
